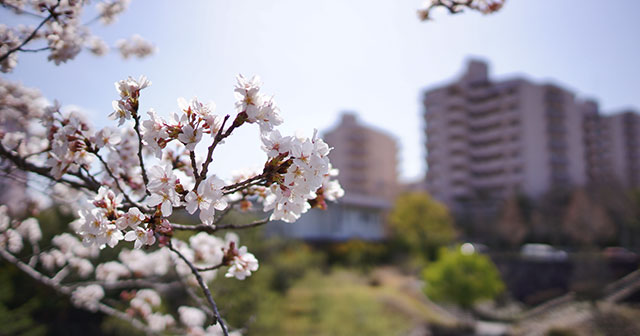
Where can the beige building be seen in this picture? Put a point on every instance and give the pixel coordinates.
(366, 158)
(613, 151)
(490, 139)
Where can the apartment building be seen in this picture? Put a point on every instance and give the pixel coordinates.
(366, 157)
(490, 139)
(613, 152)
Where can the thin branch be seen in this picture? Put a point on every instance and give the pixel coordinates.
(67, 291)
(194, 165)
(35, 249)
(106, 167)
(33, 33)
(128, 283)
(62, 273)
(19, 10)
(214, 228)
(246, 226)
(237, 122)
(230, 189)
(216, 315)
(34, 50)
(33, 273)
(210, 268)
(116, 313)
(145, 178)
(223, 213)
(92, 21)
(207, 161)
(194, 296)
(90, 176)
(42, 171)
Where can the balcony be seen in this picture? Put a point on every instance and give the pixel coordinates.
(498, 118)
(456, 102)
(457, 146)
(485, 107)
(502, 149)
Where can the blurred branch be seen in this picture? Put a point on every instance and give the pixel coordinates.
(19, 10)
(216, 315)
(42, 171)
(33, 34)
(458, 6)
(51, 282)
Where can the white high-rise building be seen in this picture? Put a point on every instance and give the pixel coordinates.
(490, 139)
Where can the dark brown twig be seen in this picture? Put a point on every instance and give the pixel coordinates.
(33, 34)
(214, 228)
(145, 178)
(216, 315)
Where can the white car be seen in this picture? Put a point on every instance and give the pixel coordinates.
(543, 252)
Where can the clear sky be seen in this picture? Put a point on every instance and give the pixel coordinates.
(323, 57)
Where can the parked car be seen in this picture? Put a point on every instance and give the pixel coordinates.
(543, 252)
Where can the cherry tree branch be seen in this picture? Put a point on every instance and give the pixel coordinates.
(128, 283)
(194, 165)
(214, 228)
(42, 171)
(145, 178)
(210, 268)
(207, 161)
(123, 316)
(33, 273)
(216, 314)
(19, 10)
(194, 296)
(237, 122)
(51, 282)
(106, 167)
(230, 189)
(34, 50)
(51, 15)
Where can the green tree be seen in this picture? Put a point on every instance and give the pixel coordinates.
(463, 279)
(421, 224)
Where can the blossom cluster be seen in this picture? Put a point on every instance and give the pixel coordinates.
(457, 6)
(61, 32)
(68, 253)
(125, 183)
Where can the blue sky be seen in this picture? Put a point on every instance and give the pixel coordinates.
(322, 57)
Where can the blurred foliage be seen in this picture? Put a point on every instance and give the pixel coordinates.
(561, 332)
(340, 303)
(421, 224)
(15, 317)
(282, 264)
(359, 253)
(462, 279)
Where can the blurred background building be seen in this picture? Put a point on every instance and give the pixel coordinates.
(366, 157)
(488, 140)
(613, 148)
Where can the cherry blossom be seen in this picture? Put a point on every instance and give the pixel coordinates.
(141, 237)
(124, 183)
(87, 297)
(243, 264)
